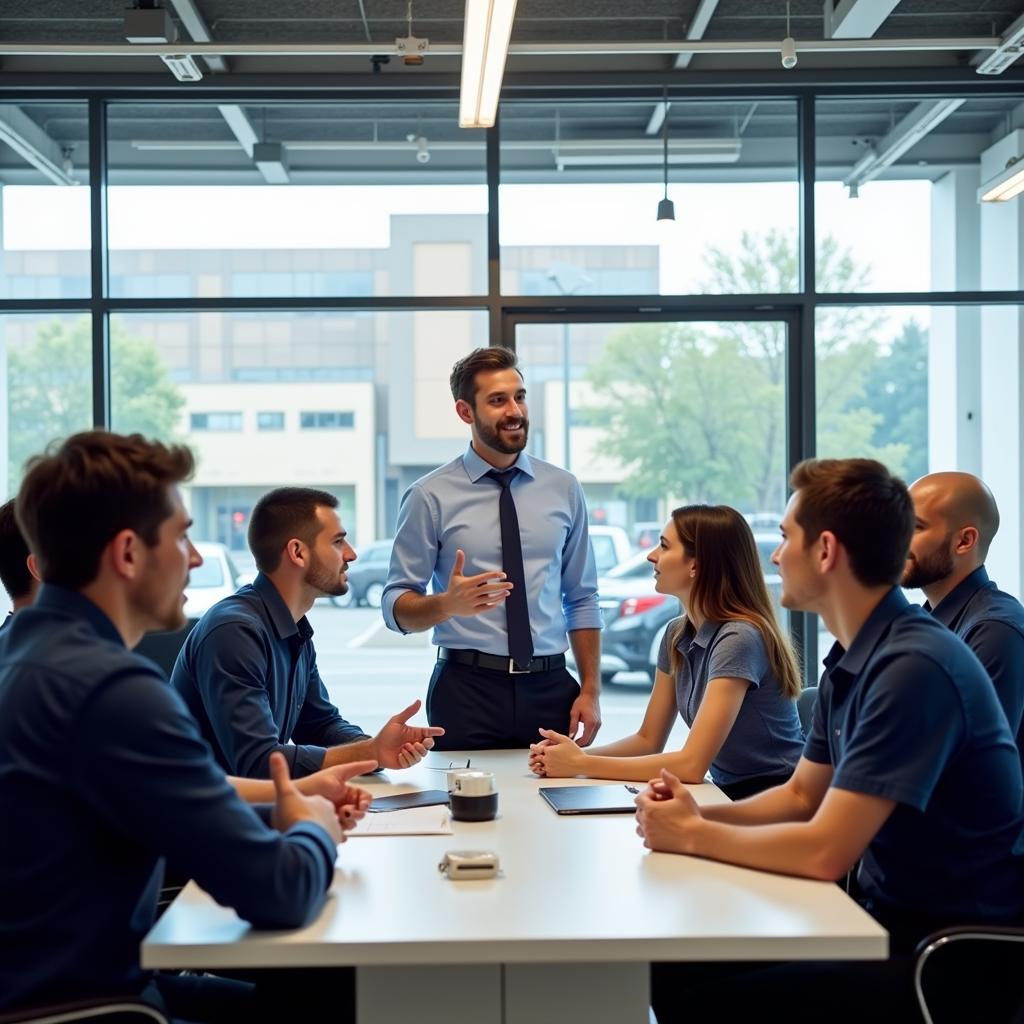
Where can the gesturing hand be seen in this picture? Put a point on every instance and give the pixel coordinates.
(399, 745)
(291, 806)
(667, 815)
(350, 802)
(471, 595)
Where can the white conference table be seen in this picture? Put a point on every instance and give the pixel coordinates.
(566, 932)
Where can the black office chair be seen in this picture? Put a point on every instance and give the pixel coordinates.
(163, 648)
(108, 1010)
(945, 953)
(805, 706)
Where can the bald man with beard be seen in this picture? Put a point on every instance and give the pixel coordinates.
(955, 520)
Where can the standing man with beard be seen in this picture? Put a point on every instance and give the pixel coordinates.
(248, 670)
(956, 519)
(502, 540)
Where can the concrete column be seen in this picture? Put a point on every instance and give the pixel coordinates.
(1002, 368)
(954, 360)
(5, 451)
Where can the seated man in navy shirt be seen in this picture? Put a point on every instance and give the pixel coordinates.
(103, 770)
(17, 564)
(909, 767)
(956, 519)
(248, 669)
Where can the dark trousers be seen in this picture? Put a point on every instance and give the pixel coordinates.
(255, 997)
(481, 709)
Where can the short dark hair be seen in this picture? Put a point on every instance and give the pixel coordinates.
(281, 514)
(82, 492)
(14, 574)
(463, 378)
(868, 509)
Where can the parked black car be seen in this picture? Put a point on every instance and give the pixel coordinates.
(367, 575)
(635, 616)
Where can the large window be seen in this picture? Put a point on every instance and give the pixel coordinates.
(650, 416)
(295, 199)
(44, 214)
(45, 385)
(581, 184)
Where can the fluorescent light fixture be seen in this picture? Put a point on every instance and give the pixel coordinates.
(484, 49)
(1009, 50)
(644, 153)
(183, 67)
(271, 161)
(1005, 185)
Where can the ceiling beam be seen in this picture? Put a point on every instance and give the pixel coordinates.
(922, 120)
(190, 16)
(856, 19)
(31, 143)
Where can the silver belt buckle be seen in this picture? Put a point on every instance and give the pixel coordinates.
(513, 671)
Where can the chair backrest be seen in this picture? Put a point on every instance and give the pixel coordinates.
(163, 647)
(805, 706)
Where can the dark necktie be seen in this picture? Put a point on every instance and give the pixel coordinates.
(517, 612)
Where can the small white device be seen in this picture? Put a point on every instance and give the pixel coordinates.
(463, 865)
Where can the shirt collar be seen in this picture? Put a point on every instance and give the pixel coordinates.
(280, 616)
(476, 467)
(854, 658)
(953, 603)
(72, 602)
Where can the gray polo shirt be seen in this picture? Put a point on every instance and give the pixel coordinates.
(765, 738)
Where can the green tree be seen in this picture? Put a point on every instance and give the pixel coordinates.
(50, 390)
(697, 412)
(897, 390)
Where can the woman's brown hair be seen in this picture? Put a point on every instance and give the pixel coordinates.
(729, 584)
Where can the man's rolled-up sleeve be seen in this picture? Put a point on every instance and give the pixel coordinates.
(579, 572)
(413, 556)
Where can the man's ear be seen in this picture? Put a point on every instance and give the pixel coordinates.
(966, 541)
(33, 568)
(464, 411)
(123, 553)
(296, 552)
(828, 551)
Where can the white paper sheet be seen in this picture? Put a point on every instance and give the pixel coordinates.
(413, 821)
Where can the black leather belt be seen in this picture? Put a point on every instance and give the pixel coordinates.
(497, 663)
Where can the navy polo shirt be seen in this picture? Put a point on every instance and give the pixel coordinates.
(248, 674)
(991, 623)
(102, 774)
(908, 714)
(765, 739)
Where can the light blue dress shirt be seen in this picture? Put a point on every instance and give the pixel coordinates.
(456, 507)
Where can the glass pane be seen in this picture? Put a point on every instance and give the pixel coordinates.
(581, 183)
(377, 384)
(44, 153)
(927, 389)
(651, 416)
(916, 163)
(340, 199)
(46, 385)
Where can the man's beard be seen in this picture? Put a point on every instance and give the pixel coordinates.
(319, 577)
(491, 436)
(922, 572)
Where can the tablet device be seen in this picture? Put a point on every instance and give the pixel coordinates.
(402, 801)
(590, 799)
